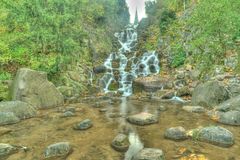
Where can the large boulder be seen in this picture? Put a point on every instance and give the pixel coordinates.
(33, 87)
(22, 110)
(209, 94)
(8, 118)
(231, 104)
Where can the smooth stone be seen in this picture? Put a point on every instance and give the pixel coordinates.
(8, 118)
(216, 135)
(68, 114)
(61, 149)
(195, 109)
(120, 143)
(149, 154)
(83, 125)
(143, 118)
(176, 133)
(22, 110)
(231, 104)
(6, 150)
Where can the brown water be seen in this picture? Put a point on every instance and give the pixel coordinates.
(94, 143)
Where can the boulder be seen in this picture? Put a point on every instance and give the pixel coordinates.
(216, 135)
(234, 89)
(229, 118)
(231, 104)
(8, 118)
(176, 133)
(209, 94)
(22, 110)
(149, 154)
(61, 149)
(120, 143)
(33, 87)
(143, 118)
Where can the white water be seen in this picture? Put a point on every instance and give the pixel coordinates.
(129, 66)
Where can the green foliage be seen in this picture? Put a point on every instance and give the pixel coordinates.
(166, 18)
(5, 76)
(178, 59)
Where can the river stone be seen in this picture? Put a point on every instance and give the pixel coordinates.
(6, 150)
(20, 109)
(68, 114)
(231, 104)
(120, 143)
(143, 118)
(230, 117)
(216, 135)
(33, 87)
(209, 94)
(83, 125)
(195, 109)
(176, 133)
(8, 118)
(149, 154)
(61, 149)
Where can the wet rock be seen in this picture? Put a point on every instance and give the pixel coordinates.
(99, 69)
(120, 143)
(6, 150)
(8, 118)
(231, 104)
(195, 109)
(216, 135)
(229, 118)
(143, 118)
(83, 125)
(61, 149)
(149, 154)
(20, 109)
(176, 133)
(68, 114)
(33, 87)
(209, 94)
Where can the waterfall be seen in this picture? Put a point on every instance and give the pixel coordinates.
(129, 66)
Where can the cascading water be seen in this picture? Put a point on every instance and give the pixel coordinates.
(129, 66)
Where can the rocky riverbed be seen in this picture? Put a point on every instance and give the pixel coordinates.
(31, 137)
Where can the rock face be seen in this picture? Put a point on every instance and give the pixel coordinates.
(83, 125)
(61, 149)
(6, 150)
(209, 94)
(231, 104)
(20, 109)
(33, 87)
(176, 133)
(143, 118)
(216, 135)
(149, 154)
(8, 118)
(120, 143)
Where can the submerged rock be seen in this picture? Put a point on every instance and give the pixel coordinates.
(209, 94)
(20, 109)
(6, 150)
(61, 149)
(195, 109)
(8, 118)
(83, 125)
(149, 154)
(176, 133)
(143, 118)
(120, 143)
(33, 87)
(216, 135)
